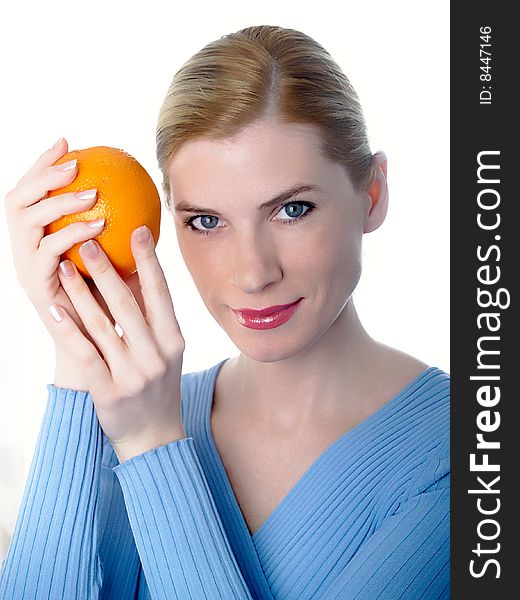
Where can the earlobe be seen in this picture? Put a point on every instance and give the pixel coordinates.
(378, 193)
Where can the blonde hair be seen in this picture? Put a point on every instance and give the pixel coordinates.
(264, 71)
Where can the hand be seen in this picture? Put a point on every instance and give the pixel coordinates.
(135, 384)
(36, 256)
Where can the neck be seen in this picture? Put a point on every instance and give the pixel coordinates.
(313, 384)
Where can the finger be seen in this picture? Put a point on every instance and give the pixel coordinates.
(120, 301)
(20, 195)
(57, 243)
(30, 190)
(81, 350)
(35, 188)
(93, 317)
(51, 209)
(160, 313)
(99, 299)
(132, 281)
(49, 157)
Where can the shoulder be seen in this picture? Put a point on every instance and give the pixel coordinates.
(426, 410)
(415, 434)
(421, 394)
(433, 391)
(420, 406)
(432, 431)
(420, 445)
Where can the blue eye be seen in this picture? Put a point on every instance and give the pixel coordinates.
(298, 216)
(203, 218)
(206, 221)
(211, 220)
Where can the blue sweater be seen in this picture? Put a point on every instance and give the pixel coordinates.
(368, 520)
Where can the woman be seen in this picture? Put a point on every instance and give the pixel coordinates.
(315, 464)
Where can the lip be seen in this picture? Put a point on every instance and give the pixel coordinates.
(266, 318)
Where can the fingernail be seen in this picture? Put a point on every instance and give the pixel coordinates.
(66, 268)
(96, 223)
(58, 143)
(56, 312)
(142, 234)
(67, 166)
(87, 194)
(89, 249)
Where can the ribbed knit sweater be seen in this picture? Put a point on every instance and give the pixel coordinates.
(368, 520)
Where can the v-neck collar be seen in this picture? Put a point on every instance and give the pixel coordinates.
(299, 486)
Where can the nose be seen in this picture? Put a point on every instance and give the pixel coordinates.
(255, 262)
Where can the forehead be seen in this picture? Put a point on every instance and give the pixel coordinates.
(263, 158)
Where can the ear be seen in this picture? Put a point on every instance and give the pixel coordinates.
(378, 193)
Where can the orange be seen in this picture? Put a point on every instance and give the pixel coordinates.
(126, 197)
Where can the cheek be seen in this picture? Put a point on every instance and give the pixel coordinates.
(336, 261)
(204, 267)
(329, 256)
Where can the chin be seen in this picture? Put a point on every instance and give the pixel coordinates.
(265, 347)
(269, 345)
(266, 355)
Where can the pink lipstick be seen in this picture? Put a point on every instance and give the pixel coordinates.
(266, 318)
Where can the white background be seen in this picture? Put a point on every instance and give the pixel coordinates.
(96, 72)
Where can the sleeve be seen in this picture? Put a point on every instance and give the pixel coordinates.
(72, 538)
(180, 538)
(408, 557)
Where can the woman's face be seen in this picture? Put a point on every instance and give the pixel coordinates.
(243, 255)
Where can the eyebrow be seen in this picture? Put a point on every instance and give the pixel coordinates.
(285, 195)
